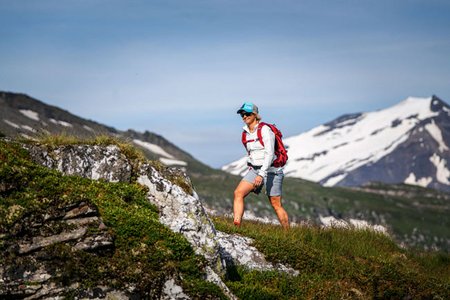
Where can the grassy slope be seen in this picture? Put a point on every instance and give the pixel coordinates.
(333, 263)
(338, 264)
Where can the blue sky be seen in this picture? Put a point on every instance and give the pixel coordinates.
(182, 68)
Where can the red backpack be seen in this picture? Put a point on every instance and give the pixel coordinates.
(280, 150)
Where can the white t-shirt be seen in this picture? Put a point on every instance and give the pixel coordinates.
(259, 155)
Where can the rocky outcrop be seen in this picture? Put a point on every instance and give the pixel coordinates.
(238, 250)
(90, 161)
(29, 272)
(180, 209)
(182, 213)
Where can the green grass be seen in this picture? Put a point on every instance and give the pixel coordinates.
(337, 264)
(146, 253)
(415, 212)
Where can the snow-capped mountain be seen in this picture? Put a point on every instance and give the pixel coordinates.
(405, 143)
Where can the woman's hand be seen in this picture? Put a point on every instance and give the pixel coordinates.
(258, 181)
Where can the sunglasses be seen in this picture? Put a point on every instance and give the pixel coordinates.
(247, 114)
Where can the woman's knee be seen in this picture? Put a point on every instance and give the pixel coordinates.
(242, 189)
(276, 202)
(239, 193)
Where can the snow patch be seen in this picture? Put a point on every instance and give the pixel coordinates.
(11, 123)
(153, 148)
(26, 127)
(88, 128)
(172, 162)
(436, 133)
(442, 173)
(30, 114)
(424, 181)
(26, 136)
(63, 123)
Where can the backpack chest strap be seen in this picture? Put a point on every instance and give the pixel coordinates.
(249, 141)
(258, 133)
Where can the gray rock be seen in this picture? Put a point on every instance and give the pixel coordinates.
(41, 242)
(34, 277)
(173, 291)
(95, 242)
(236, 249)
(81, 211)
(95, 162)
(182, 213)
(50, 291)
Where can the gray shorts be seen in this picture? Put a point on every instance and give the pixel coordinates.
(273, 181)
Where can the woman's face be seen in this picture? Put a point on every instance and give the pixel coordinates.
(248, 118)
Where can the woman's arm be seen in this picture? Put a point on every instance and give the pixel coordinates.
(268, 138)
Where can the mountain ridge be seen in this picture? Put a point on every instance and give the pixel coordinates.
(25, 116)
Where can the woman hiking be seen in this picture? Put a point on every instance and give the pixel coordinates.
(261, 155)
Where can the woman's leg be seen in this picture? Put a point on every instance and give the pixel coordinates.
(274, 183)
(241, 191)
(279, 210)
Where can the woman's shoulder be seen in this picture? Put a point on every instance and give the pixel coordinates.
(265, 129)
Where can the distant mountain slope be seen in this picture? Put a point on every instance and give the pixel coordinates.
(405, 143)
(21, 115)
(25, 116)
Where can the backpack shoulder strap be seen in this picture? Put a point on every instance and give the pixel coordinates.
(258, 132)
(244, 138)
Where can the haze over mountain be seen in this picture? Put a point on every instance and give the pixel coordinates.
(405, 143)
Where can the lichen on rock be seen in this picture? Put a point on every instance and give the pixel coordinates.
(90, 161)
(182, 213)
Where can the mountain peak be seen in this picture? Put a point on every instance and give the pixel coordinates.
(438, 104)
